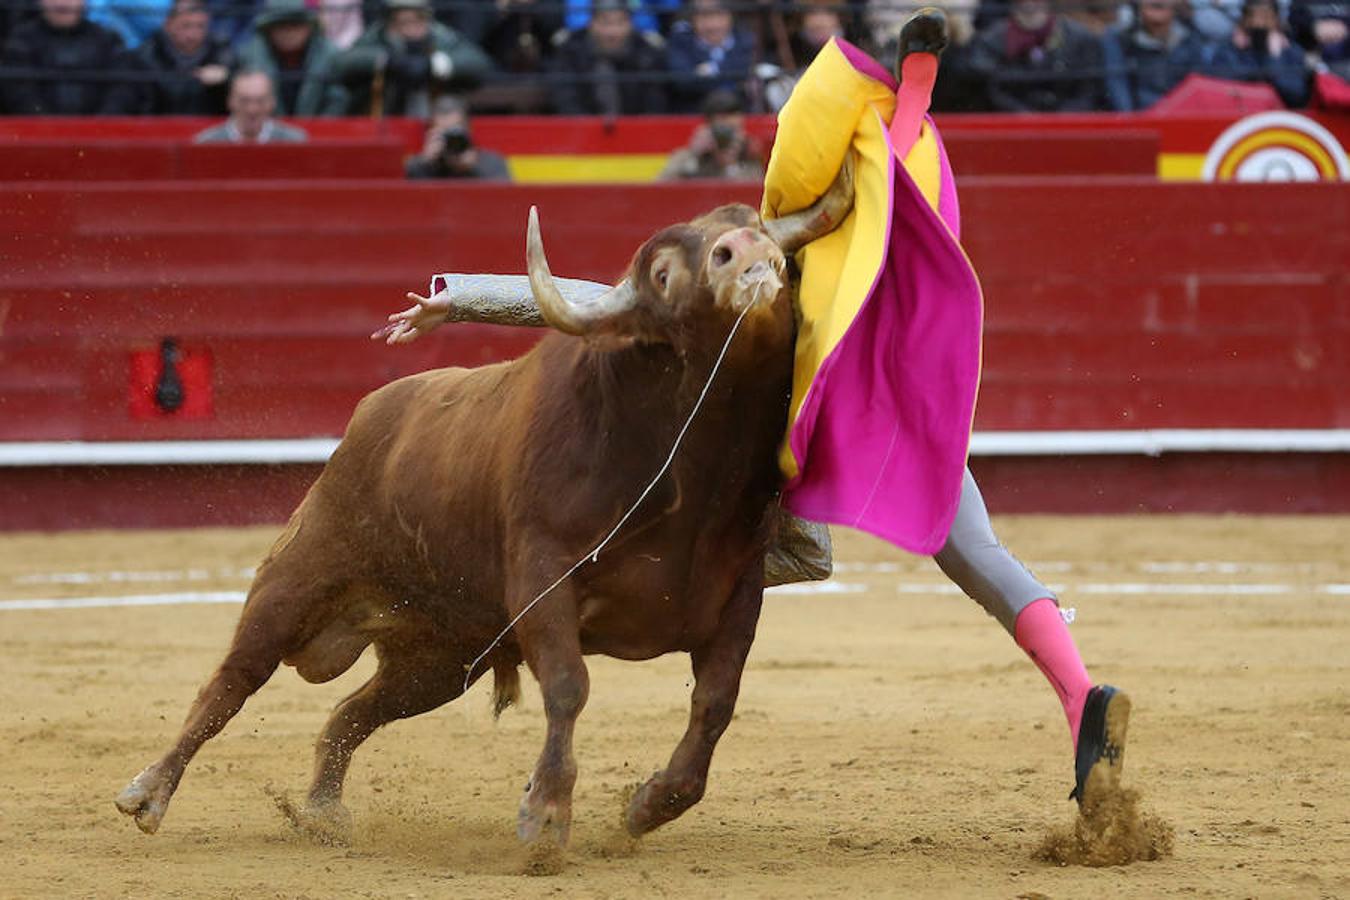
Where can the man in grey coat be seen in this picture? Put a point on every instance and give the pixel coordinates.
(252, 102)
(288, 45)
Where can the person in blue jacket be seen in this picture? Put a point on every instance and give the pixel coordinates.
(1260, 50)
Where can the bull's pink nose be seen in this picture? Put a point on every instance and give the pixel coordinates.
(732, 245)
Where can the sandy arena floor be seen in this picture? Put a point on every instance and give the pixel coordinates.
(890, 740)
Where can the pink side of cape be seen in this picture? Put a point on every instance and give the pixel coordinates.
(883, 434)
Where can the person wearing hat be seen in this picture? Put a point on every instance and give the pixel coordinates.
(288, 45)
(610, 68)
(402, 64)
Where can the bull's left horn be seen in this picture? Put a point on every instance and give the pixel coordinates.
(794, 231)
(559, 312)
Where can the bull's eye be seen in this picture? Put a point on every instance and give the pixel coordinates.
(721, 256)
(662, 276)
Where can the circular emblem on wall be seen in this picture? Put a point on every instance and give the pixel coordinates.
(1276, 146)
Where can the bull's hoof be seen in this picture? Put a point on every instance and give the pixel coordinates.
(147, 797)
(325, 822)
(660, 800)
(542, 822)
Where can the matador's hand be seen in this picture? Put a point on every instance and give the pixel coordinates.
(415, 321)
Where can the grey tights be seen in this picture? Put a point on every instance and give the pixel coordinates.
(982, 567)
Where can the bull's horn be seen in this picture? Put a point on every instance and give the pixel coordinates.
(794, 231)
(565, 315)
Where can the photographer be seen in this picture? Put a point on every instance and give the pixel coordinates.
(449, 151)
(720, 147)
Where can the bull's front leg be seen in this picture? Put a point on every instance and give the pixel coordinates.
(550, 642)
(717, 681)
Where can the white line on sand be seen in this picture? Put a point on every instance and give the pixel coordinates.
(128, 600)
(816, 587)
(116, 577)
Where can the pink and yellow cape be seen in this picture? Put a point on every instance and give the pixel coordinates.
(888, 349)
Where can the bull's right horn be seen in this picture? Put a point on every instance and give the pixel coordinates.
(565, 315)
(796, 230)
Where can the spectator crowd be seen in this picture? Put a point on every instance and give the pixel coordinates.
(627, 57)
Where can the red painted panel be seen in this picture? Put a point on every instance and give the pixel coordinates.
(58, 498)
(156, 160)
(1036, 152)
(1273, 484)
(346, 159)
(1111, 303)
(56, 161)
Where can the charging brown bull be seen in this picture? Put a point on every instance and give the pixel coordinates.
(458, 495)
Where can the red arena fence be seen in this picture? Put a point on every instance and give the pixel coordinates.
(1116, 304)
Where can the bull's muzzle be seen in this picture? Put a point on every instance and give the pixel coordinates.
(745, 266)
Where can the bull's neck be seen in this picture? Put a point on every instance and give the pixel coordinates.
(643, 394)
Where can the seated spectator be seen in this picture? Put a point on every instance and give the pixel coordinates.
(133, 20)
(819, 20)
(1098, 16)
(449, 151)
(252, 102)
(1144, 62)
(771, 84)
(1215, 19)
(1323, 27)
(233, 21)
(76, 56)
(958, 87)
(610, 69)
(342, 22)
(1036, 61)
(1260, 50)
(720, 147)
(518, 35)
(399, 65)
(287, 46)
(707, 52)
(656, 16)
(191, 67)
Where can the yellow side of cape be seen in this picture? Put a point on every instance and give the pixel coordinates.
(833, 110)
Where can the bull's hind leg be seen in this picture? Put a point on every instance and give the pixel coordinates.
(269, 628)
(717, 681)
(407, 683)
(549, 638)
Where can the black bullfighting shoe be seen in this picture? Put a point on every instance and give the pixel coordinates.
(924, 32)
(1101, 744)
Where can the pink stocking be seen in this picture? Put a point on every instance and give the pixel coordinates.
(918, 72)
(1041, 632)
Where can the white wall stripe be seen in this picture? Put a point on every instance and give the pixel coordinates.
(985, 443)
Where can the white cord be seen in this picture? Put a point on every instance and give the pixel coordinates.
(594, 555)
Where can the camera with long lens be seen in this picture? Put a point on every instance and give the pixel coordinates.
(724, 134)
(456, 140)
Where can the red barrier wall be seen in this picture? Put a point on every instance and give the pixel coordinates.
(1110, 303)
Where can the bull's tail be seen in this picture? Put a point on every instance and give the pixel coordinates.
(505, 687)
